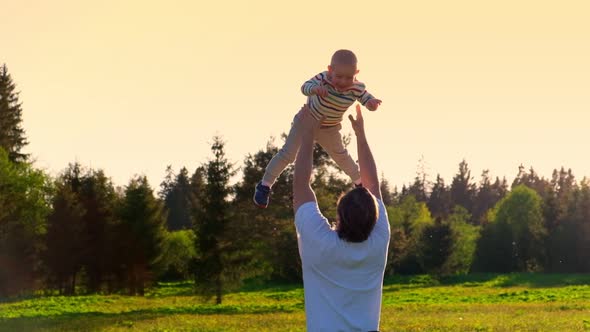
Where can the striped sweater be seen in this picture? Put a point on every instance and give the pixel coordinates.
(335, 104)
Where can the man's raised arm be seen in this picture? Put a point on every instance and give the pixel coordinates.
(302, 192)
(367, 166)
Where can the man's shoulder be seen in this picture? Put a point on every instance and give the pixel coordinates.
(382, 225)
(307, 210)
(311, 225)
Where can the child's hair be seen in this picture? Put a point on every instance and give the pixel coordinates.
(343, 57)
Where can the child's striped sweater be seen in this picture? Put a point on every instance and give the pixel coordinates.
(335, 104)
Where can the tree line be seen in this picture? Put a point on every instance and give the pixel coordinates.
(78, 233)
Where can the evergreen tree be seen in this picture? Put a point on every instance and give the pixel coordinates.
(197, 186)
(500, 189)
(564, 184)
(12, 135)
(167, 185)
(386, 193)
(439, 202)
(97, 196)
(568, 243)
(462, 189)
(177, 200)
(142, 227)
(582, 220)
(197, 189)
(64, 245)
(419, 189)
(222, 263)
(488, 194)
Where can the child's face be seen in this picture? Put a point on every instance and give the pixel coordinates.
(342, 76)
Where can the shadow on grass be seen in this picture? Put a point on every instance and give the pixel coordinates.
(533, 280)
(162, 289)
(260, 285)
(93, 321)
(425, 280)
(467, 280)
(539, 280)
(186, 288)
(165, 289)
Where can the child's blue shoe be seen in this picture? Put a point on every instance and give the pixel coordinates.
(262, 195)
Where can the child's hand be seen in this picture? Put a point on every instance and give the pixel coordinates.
(372, 104)
(320, 91)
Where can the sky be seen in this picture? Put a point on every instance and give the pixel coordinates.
(132, 86)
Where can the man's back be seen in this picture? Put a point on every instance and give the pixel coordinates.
(343, 281)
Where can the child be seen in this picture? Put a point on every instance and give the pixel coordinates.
(330, 94)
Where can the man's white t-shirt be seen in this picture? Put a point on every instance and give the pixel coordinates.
(343, 281)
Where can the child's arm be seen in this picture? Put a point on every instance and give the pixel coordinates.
(368, 100)
(313, 86)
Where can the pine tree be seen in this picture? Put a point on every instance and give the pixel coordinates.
(386, 192)
(564, 184)
(64, 245)
(568, 243)
(168, 184)
(12, 135)
(419, 189)
(582, 218)
(462, 189)
(439, 202)
(97, 196)
(500, 188)
(485, 198)
(177, 200)
(197, 192)
(213, 274)
(143, 231)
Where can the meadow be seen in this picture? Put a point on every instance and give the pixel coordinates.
(481, 302)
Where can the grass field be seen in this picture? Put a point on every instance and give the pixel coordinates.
(515, 302)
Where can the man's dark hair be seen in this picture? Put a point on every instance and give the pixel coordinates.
(357, 215)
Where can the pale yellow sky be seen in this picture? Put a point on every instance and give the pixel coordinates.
(132, 86)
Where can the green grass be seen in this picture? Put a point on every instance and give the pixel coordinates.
(514, 302)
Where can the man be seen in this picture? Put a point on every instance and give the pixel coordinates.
(342, 267)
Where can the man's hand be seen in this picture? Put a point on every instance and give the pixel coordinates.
(373, 104)
(320, 91)
(358, 125)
